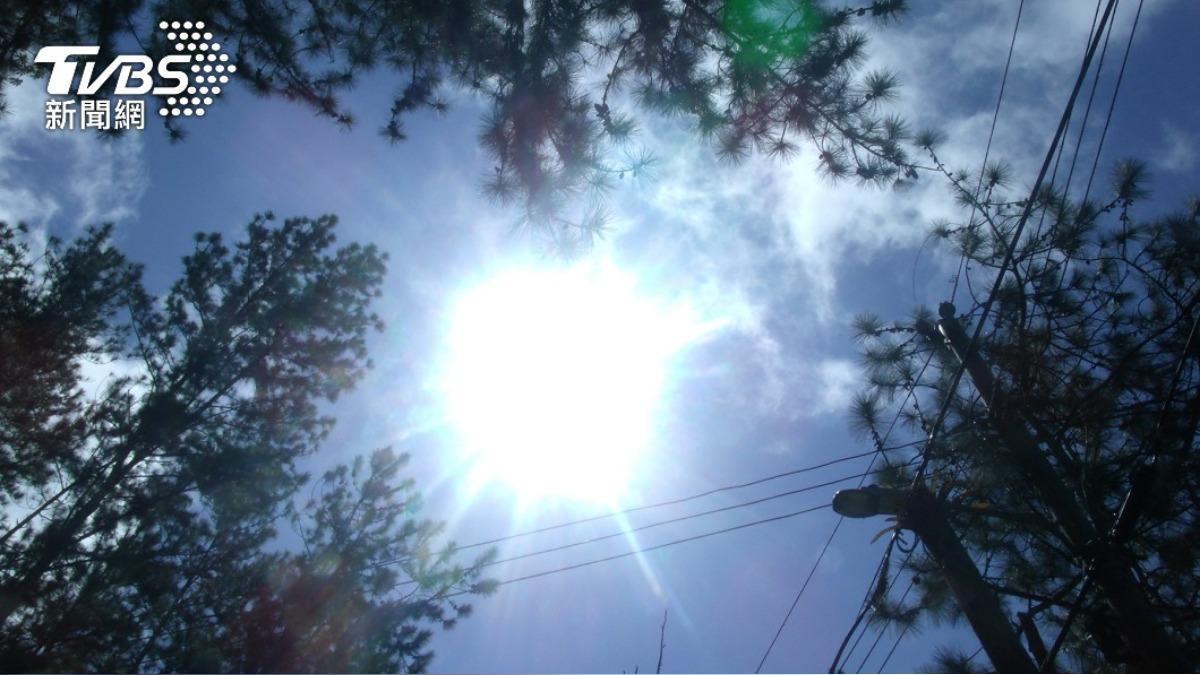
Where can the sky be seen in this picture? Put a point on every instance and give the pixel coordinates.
(773, 260)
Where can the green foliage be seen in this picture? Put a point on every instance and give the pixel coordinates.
(929, 139)
(950, 660)
(752, 75)
(138, 523)
(335, 607)
(1087, 335)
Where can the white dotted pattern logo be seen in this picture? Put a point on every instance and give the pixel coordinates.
(210, 68)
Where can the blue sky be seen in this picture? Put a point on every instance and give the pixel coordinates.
(784, 258)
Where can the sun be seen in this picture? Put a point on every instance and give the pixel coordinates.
(555, 376)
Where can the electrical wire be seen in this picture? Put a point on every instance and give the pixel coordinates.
(1100, 146)
(858, 640)
(838, 525)
(991, 297)
(587, 563)
(1066, 626)
(1063, 144)
(883, 628)
(1016, 237)
(865, 606)
(988, 148)
(803, 587)
(1087, 111)
(975, 653)
(626, 554)
(1112, 104)
(894, 646)
(647, 507)
(957, 278)
(647, 526)
(1008, 259)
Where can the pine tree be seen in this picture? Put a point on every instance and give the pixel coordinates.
(138, 524)
(556, 76)
(1093, 337)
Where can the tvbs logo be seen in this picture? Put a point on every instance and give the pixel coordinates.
(188, 80)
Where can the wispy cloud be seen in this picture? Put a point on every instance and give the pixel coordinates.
(1179, 153)
(64, 178)
(57, 182)
(769, 242)
(839, 379)
(22, 199)
(107, 177)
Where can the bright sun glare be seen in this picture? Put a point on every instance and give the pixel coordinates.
(555, 376)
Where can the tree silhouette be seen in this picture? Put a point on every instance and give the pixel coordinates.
(1093, 336)
(556, 77)
(138, 523)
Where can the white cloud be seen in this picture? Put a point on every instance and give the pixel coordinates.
(108, 177)
(768, 242)
(95, 375)
(839, 379)
(103, 181)
(1179, 155)
(64, 178)
(20, 200)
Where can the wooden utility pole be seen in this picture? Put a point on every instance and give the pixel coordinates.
(1149, 642)
(921, 512)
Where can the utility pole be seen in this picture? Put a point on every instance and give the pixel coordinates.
(1148, 640)
(921, 512)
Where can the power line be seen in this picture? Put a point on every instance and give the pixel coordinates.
(626, 554)
(858, 640)
(1011, 252)
(1063, 144)
(987, 305)
(657, 524)
(838, 525)
(957, 278)
(587, 563)
(646, 507)
(648, 526)
(872, 590)
(988, 149)
(871, 587)
(865, 606)
(1112, 104)
(1087, 111)
(883, 630)
(1016, 237)
(887, 552)
(796, 600)
(1008, 259)
(894, 646)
